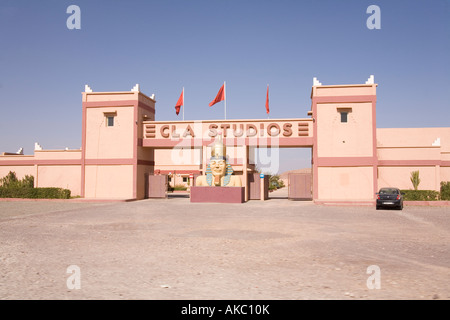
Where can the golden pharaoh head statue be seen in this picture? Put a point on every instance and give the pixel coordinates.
(219, 150)
(218, 166)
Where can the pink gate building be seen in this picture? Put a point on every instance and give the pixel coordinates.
(122, 145)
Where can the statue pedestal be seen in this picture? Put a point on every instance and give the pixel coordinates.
(218, 194)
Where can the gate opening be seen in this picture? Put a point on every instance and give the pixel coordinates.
(290, 171)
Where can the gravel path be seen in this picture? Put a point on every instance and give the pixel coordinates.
(172, 249)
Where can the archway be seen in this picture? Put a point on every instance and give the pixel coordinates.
(290, 168)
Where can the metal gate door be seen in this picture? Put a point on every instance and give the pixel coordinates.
(254, 186)
(157, 186)
(299, 186)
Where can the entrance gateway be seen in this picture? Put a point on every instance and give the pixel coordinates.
(189, 144)
(339, 128)
(122, 145)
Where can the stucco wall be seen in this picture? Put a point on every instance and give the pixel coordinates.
(445, 174)
(21, 171)
(351, 139)
(413, 137)
(109, 96)
(345, 183)
(409, 153)
(67, 177)
(109, 181)
(399, 177)
(178, 156)
(57, 154)
(344, 90)
(104, 142)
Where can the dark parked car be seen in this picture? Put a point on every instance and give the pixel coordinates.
(390, 197)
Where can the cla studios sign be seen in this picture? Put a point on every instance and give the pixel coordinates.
(271, 129)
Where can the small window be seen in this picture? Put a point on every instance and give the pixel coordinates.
(110, 118)
(344, 114)
(110, 121)
(185, 179)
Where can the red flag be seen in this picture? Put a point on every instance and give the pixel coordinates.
(180, 102)
(267, 100)
(220, 96)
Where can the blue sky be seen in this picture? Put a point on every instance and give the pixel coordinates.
(167, 45)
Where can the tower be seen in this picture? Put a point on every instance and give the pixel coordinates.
(113, 161)
(344, 152)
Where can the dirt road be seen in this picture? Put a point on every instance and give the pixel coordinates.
(172, 249)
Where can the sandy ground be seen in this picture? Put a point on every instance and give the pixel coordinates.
(172, 249)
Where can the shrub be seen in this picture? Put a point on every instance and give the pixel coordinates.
(11, 181)
(445, 190)
(11, 187)
(272, 187)
(180, 187)
(420, 195)
(35, 193)
(275, 182)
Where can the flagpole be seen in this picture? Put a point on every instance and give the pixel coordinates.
(225, 94)
(183, 103)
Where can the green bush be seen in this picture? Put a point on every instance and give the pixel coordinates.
(420, 195)
(275, 182)
(445, 190)
(35, 193)
(272, 187)
(11, 187)
(180, 187)
(11, 181)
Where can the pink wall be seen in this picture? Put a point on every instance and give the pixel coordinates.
(21, 171)
(351, 139)
(67, 177)
(445, 173)
(50, 168)
(345, 183)
(403, 150)
(344, 90)
(399, 177)
(109, 181)
(109, 142)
